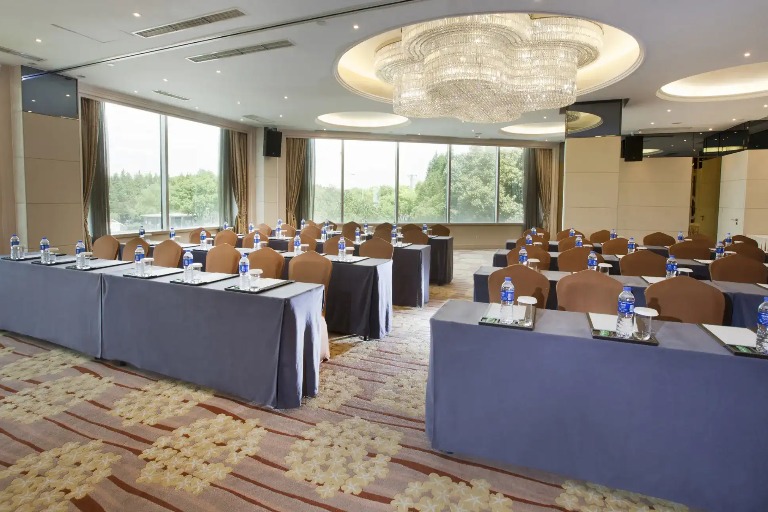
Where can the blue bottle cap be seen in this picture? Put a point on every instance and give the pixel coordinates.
(627, 288)
(507, 279)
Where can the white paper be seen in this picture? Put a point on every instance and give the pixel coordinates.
(653, 280)
(733, 335)
(603, 322)
(762, 284)
(706, 262)
(494, 311)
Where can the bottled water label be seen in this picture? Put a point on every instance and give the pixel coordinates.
(507, 296)
(138, 257)
(523, 258)
(244, 268)
(762, 318)
(626, 308)
(592, 263)
(671, 267)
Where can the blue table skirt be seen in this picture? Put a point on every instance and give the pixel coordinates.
(500, 260)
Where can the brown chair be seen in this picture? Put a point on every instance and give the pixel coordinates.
(748, 250)
(588, 292)
(410, 227)
(130, 248)
(684, 299)
(566, 233)
(264, 234)
(226, 237)
(570, 243)
(383, 230)
(222, 258)
(440, 230)
(106, 247)
(702, 239)
(377, 248)
(248, 240)
(265, 228)
(643, 263)
(600, 237)
(415, 236)
(739, 269)
(168, 254)
(194, 236)
(745, 240)
(310, 267)
(533, 252)
(332, 244)
(348, 229)
(574, 260)
(312, 223)
(528, 283)
(288, 230)
(269, 261)
(692, 250)
(616, 246)
(309, 240)
(312, 231)
(659, 239)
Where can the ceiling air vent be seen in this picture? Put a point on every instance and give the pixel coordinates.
(258, 120)
(20, 54)
(166, 93)
(194, 22)
(274, 45)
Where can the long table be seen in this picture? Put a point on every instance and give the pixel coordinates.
(683, 421)
(152, 245)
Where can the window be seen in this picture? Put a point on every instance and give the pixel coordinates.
(414, 182)
(177, 187)
(369, 180)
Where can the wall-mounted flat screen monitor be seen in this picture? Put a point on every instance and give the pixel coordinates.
(48, 93)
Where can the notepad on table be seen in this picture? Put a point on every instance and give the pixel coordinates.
(653, 280)
(734, 336)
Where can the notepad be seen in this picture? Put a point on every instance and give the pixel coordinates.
(763, 285)
(706, 262)
(602, 322)
(653, 280)
(734, 336)
(494, 311)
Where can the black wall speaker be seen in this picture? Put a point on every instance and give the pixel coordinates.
(273, 142)
(633, 148)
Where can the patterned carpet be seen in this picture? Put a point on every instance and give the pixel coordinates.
(80, 434)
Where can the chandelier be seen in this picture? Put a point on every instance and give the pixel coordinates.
(487, 68)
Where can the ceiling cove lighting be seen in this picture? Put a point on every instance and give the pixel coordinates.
(371, 120)
(738, 82)
(487, 68)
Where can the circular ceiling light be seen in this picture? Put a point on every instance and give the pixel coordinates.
(550, 128)
(370, 120)
(738, 82)
(581, 121)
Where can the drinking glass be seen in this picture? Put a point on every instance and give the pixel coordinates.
(255, 275)
(643, 322)
(528, 305)
(197, 270)
(87, 260)
(604, 268)
(533, 263)
(52, 255)
(349, 253)
(684, 271)
(148, 267)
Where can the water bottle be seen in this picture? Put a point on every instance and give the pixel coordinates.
(357, 236)
(303, 224)
(250, 227)
(142, 232)
(680, 237)
(15, 247)
(173, 234)
(202, 239)
(631, 245)
(80, 254)
(279, 231)
(365, 227)
(186, 263)
(671, 267)
(45, 250)
(528, 240)
(342, 248)
(226, 226)
(256, 242)
(424, 228)
(719, 251)
(297, 245)
(613, 234)
(522, 257)
(280, 223)
(572, 232)
(138, 259)
(507, 300)
(243, 268)
(534, 231)
(626, 311)
(323, 234)
(579, 242)
(592, 261)
(728, 239)
(394, 236)
(762, 326)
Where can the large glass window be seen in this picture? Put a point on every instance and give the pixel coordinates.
(369, 180)
(327, 180)
(422, 182)
(473, 183)
(511, 185)
(163, 172)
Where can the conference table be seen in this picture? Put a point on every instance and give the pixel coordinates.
(152, 245)
(683, 421)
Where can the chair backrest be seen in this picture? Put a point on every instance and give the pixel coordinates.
(130, 248)
(540, 234)
(385, 228)
(643, 263)
(684, 299)
(265, 228)
(739, 269)
(415, 236)
(377, 248)
(528, 283)
(574, 260)
(533, 252)
(106, 247)
(310, 267)
(288, 230)
(569, 243)
(588, 292)
(226, 236)
(409, 227)
(264, 233)
(659, 238)
(348, 229)
(222, 258)
(745, 239)
(615, 246)
(704, 239)
(440, 230)
(312, 231)
(566, 233)
(600, 237)
(332, 244)
(748, 250)
(194, 236)
(168, 254)
(310, 240)
(248, 240)
(690, 250)
(269, 261)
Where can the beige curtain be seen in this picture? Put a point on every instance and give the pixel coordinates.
(295, 164)
(239, 178)
(544, 169)
(90, 117)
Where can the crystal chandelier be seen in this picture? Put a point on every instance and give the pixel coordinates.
(487, 68)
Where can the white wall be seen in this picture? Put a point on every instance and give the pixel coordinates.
(733, 194)
(7, 200)
(756, 202)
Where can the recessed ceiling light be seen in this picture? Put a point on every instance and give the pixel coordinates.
(135, 92)
(241, 118)
(669, 110)
(67, 95)
(34, 101)
(710, 129)
(325, 129)
(355, 27)
(136, 15)
(545, 117)
(38, 40)
(765, 106)
(197, 108)
(685, 140)
(733, 119)
(285, 97)
(111, 65)
(238, 102)
(747, 54)
(418, 134)
(281, 115)
(165, 79)
(652, 122)
(218, 71)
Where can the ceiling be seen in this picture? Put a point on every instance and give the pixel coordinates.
(679, 39)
